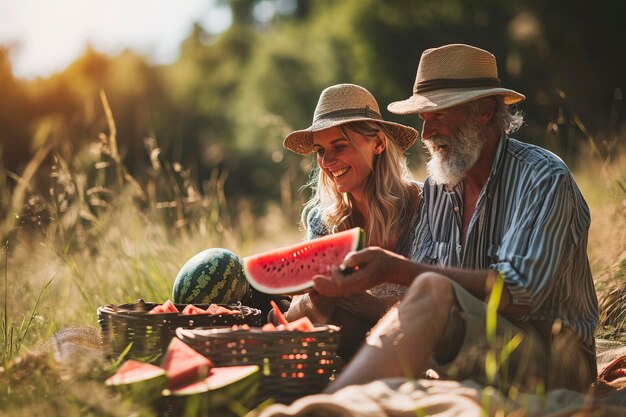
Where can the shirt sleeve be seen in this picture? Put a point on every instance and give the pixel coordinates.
(535, 251)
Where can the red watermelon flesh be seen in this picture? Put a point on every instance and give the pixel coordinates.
(216, 309)
(303, 324)
(269, 327)
(134, 371)
(166, 307)
(190, 309)
(169, 307)
(291, 269)
(141, 382)
(183, 365)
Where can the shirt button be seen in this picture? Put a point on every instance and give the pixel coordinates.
(456, 208)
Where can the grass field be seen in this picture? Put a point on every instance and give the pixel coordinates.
(100, 237)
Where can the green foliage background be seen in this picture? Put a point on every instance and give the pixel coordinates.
(230, 98)
(115, 171)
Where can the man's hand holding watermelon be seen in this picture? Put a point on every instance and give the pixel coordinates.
(368, 267)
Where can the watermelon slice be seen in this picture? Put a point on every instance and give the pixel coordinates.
(140, 380)
(303, 324)
(216, 309)
(166, 307)
(219, 378)
(226, 389)
(183, 365)
(190, 309)
(291, 269)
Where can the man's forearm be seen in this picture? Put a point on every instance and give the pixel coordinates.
(478, 282)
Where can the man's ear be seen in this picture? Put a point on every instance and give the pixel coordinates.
(487, 109)
(381, 143)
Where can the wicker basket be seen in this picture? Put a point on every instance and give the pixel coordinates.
(293, 363)
(150, 334)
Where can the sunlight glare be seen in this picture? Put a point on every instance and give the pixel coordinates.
(47, 36)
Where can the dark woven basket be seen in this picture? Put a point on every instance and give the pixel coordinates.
(293, 363)
(150, 334)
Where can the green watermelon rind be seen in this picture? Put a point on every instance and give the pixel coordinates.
(144, 388)
(209, 398)
(358, 236)
(194, 283)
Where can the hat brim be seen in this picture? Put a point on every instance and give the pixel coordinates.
(445, 98)
(301, 141)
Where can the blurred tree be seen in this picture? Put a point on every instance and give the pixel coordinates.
(227, 102)
(16, 116)
(571, 60)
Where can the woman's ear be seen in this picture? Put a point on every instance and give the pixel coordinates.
(381, 143)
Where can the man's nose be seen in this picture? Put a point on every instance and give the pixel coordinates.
(427, 130)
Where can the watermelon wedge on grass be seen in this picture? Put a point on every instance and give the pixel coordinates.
(141, 381)
(229, 390)
(188, 379)
(290, 270)
(183, 365)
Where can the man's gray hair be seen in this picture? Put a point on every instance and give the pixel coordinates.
(504, 120)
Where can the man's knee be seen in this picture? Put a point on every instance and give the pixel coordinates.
(431, 286)
(431, 294)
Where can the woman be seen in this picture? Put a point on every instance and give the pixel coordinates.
(361, 180)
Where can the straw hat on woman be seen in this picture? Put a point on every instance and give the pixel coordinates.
(361, 179)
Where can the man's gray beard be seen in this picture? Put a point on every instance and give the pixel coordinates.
(465, 149)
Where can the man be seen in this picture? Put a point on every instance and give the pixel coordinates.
(500, 219)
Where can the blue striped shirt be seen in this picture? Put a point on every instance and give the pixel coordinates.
(530, 224)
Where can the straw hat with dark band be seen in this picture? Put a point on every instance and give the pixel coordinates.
(452, 75)
(344, 103)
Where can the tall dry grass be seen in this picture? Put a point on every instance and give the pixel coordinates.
(98, 236)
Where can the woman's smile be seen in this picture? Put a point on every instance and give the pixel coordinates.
(339, 172)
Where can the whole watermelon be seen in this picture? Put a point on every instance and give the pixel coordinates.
(214, 275)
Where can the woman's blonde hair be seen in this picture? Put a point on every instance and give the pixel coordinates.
(387, 192)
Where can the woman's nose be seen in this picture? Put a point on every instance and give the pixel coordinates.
(328, 159)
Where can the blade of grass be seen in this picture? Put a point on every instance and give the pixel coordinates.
(19, 192)
(35, 311)
(491, 361)
(5, 318)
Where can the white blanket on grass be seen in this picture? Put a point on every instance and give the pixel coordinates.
(401, 397)
(406, 398)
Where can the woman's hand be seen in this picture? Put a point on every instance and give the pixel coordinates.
(370, 267)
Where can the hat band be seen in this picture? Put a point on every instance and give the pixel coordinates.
(362, 112)
(442, 83)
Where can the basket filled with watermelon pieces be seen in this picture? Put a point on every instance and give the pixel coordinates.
(143, 330)
(296, 358)
(186, 383)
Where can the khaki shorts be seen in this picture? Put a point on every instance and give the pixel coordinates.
(534, 356)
